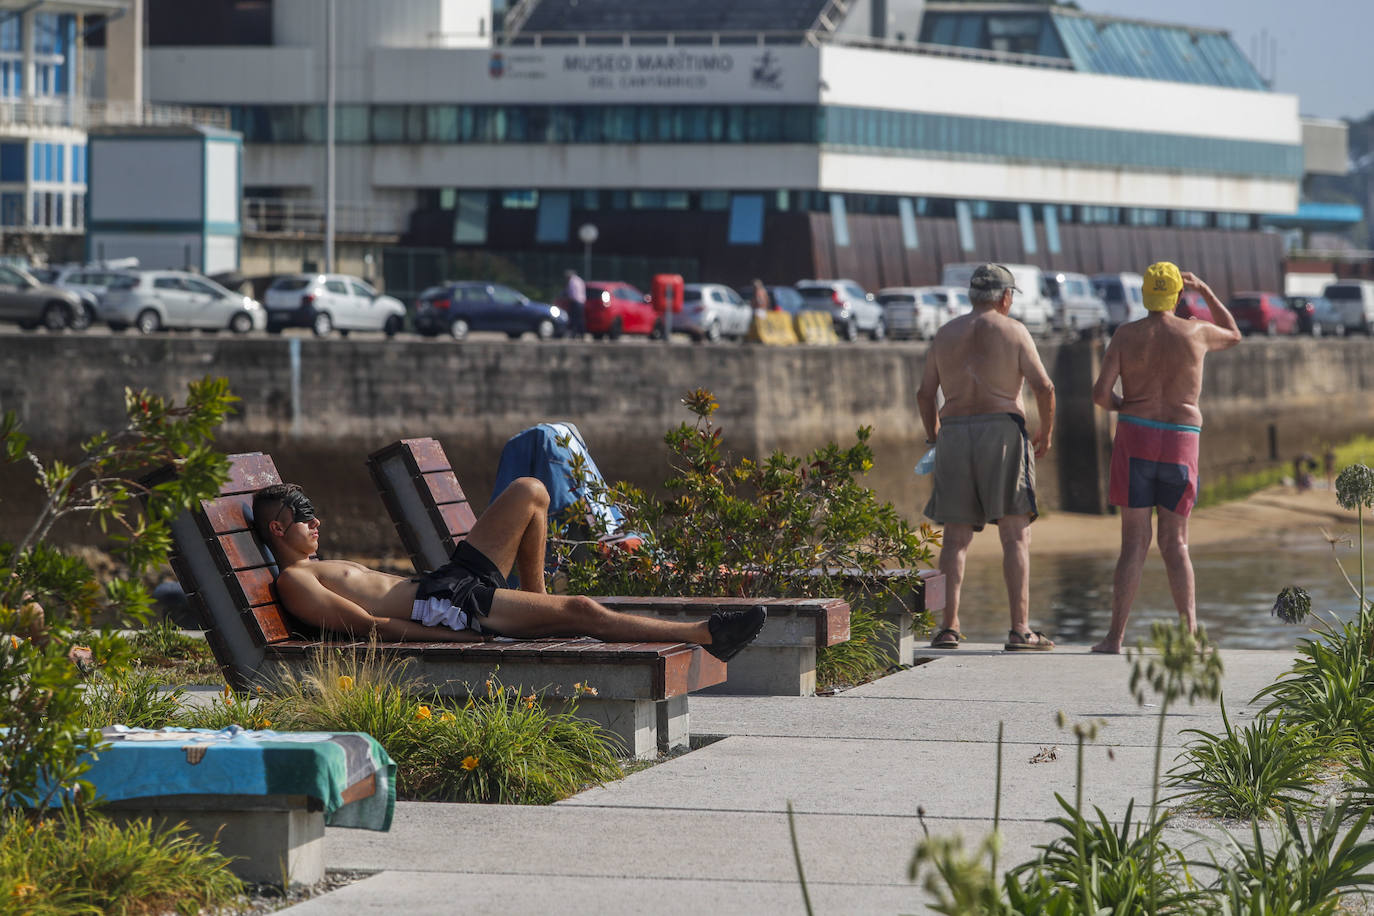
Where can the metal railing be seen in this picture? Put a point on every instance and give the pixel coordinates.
(304, 218)
(87, 114)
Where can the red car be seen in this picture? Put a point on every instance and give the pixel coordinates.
(1263, 313)
(618, 308)
(1192, 305)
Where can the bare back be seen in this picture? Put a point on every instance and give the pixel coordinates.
(982, 359)
(378, 593)
(1160, 364)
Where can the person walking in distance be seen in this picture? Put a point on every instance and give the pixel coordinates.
(575, 295)
(984, 457)
(1158, 360)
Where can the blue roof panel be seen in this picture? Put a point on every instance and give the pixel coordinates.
(1177, 54)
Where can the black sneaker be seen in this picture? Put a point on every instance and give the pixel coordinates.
(733, 630)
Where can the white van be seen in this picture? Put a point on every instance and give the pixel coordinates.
(1354, 301)
(1125, 297)
(1031, 306)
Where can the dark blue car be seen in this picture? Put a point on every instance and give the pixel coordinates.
(463, 306)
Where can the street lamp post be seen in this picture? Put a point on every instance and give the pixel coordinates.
(329, 104)
(588, 234)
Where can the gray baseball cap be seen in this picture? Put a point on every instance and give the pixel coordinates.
(992, 277)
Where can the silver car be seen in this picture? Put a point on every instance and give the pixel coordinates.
(1077, 306)
(151, 300)
(711, 311)
(23, 299)
(910, 311)
(853, 310)
(324, 302)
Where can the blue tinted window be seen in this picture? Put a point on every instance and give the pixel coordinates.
(746, 219)
(12, 208)
(906, 214)
(963, 216)
(555, 213)
(1027, 220)
(839, 220)
(1052, 229)
(12, 159)
(60, 160)
(38, 162)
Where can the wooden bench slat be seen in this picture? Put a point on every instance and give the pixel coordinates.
(457, 519)
(428, 455)
(443, 487)
(253, 587)
(267, 624)
(250, 472)
(241, 550)
(224, 515)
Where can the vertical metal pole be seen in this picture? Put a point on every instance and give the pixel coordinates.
(586, 261)
(329, 138)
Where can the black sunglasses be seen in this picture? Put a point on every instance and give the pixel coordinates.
(301, 508)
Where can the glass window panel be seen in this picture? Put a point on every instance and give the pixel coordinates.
(839, 221)
(715, 200)
(1026, 218)
(555, 215)
(441, 123)
(746, 219)
(1052, 229)
(351, 123)
(470, 226)
(388, 124)
(906, 214)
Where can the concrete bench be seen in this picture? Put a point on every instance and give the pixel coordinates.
(422, 495)
(228, 577)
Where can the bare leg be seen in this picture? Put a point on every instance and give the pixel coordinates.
(1014, 531)
(1173, 547)
(1135, 544)
(955, 547)
(512, 532)
(526, 615)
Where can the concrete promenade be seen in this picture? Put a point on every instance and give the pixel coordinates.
(707, 832)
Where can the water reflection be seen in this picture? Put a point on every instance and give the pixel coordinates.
(1071, 595)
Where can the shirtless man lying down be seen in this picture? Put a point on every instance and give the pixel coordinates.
(466, 598)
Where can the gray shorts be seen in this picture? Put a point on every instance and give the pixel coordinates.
(984, 470)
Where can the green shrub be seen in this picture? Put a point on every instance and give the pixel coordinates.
(1330, 688)
(781, 527)
(71, 863)
(186, 658)
(501, 746)
(1250, 772)
(860, 657)
(133, 697)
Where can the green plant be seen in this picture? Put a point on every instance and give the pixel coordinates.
(1252, 771)
(856, 659)
(51, 597)
(132, 697)
(783, 526)
(1305, 870)
(500, 746)
(1330, 688)
(163, 645)
(72, 863)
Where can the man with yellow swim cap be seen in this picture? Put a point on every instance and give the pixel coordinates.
(1158, 360)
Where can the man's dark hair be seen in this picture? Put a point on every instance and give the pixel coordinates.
(267, 505)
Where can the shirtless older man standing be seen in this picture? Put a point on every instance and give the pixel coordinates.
(984, 469)
(466, 599)
(1155, 454)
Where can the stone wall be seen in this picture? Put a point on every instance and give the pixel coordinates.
(320, 406)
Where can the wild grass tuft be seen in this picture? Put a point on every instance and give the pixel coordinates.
(861, 656)
(1251, 772)
(69, 864)
(133, 697)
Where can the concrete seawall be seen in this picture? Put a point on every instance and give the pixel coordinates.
(320, 406)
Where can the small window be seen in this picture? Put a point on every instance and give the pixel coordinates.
(504, 295)
(291, 284)
(718, 296)
(10, 278)
(474, 294)
(200, 286)
(336, 287)
(362, 290)
(168, 283)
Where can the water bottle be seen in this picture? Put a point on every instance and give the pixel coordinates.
(927, 462)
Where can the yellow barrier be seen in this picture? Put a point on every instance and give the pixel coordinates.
(816, 328)
(773, 329)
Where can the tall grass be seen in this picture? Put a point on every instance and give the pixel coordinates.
(67, 864)
(860, 657)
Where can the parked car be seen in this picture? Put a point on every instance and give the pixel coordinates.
(1192, 304)
(615, 308)
(911, 311)
(853, 310)
(711, 311)
(1077, 307)
(151, 300)
(1031, 306)
(29, 302)
(459, 307)
(783, 298)
(1263, 313)
(323, 302)
(1317, 315)
(1355, 300)
(953, 300)
(1124, 296)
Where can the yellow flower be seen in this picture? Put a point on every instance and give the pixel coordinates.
(422, 713)
(489, 688)
(470, 763)
(23, 890)
(529, 701)
(14, 644)
(266, 723)
(228, 694)
(448, 717)
(345, 683)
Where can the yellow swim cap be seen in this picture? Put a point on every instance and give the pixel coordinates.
(1163, 283)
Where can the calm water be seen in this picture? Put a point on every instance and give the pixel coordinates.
(1236, 585)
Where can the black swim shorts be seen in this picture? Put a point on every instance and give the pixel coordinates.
(468, 581)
